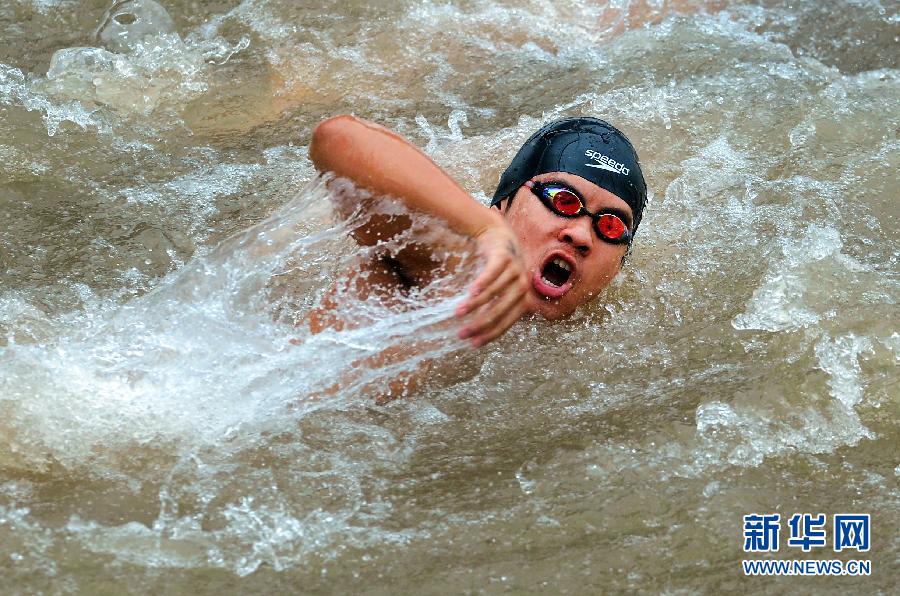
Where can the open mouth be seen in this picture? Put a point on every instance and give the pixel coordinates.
(556, 272)
(554, 278)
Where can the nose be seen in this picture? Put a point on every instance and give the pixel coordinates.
(577, 232)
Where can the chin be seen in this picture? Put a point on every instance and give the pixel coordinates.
(552, 310)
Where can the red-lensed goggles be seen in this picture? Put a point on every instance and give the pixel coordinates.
(565, 202)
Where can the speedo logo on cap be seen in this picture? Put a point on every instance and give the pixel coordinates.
(605, 163)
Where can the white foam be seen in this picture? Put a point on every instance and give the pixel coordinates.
(840, 359)
(777, 304)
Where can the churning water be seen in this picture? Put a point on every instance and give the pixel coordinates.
(165, 425)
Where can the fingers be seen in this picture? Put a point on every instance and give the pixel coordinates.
(496, 295)
(500, 327)
(499, 315)
(498, 261)
(492, 283)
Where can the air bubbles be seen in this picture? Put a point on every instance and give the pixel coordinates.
(129, 22)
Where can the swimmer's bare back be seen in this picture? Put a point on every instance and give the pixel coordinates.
(384, 163)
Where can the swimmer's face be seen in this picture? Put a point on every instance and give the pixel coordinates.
(551, 243)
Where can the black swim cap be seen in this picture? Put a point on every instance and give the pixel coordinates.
(586, 147)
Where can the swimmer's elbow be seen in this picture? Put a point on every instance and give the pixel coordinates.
(332, 139)
(335, 127)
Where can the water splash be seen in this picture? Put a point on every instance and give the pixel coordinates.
(142, 373)
(128, 22)
(777, 305)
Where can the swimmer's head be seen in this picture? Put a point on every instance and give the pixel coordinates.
(575, 197)
(583, 146)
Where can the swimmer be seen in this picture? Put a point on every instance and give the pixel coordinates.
(561, 220)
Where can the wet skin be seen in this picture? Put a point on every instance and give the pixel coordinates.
(543, 235)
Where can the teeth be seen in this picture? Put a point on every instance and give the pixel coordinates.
(560, 263)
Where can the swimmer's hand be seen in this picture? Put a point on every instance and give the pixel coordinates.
(498, 296)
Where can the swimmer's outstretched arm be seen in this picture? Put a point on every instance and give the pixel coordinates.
(383, 162)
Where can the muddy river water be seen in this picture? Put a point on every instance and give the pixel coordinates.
(163, 426)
